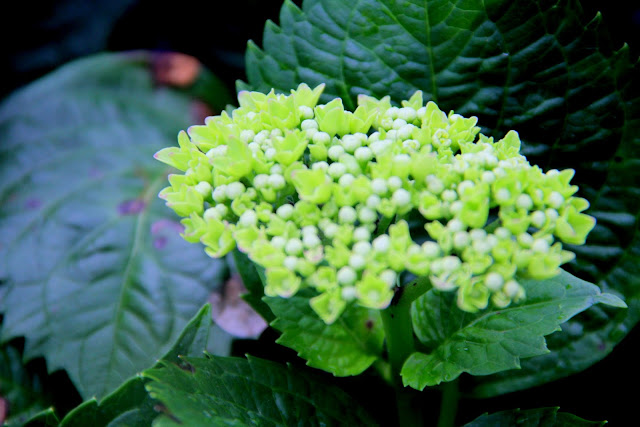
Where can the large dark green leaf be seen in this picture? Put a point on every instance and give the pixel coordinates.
(346, 347)
(99, 281)
(543, 417)
(130, 404)
(239, 392)
(21, 389)
(493, 340)
(543, 68)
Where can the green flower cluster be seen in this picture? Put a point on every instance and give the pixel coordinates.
(306, 190)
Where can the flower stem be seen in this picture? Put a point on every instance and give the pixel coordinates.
(396, 320)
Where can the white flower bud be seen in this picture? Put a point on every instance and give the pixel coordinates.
(211, 214)
(449, 195)
(334, 152)
(461, 240)
(293, 247)
(276, 132)
(248, 218)
(451, 263)
(540, 246)
(309, 229)
(401, 197)
(346, 276)
(254, 147)
(379, 186)
(261, 137)
(434, 184)
(278, 242)
(277, 181)
(511, 289)
(551, 214)
(494, 281)
(367, 215)
(456, 207)
(411, 145)
(346, 180)
(405, 132)
(524, 202)
(347, 214)
(455, 225)
(502, 233)
(220, 193)
(204, 188)
(261, 181)
(556, 200)
(330, 230)
(361, 233)
(398, 123)
(290, 262)
(305, 112)
(363, 154)
(463, 186)
(350, 143)
(285, 211)
(502, 195)
(247, 135)
(362, 247)
(270, 153)
(336, 170)
(477, 234)
(357, 262)
(381, 243)
(320, 165)
(421, 113)
(321, 138)
(408, 114)
(525, 239)
(389, 277)
(373, 201)
(309, 124)
(349, 293)
(538, 218)
(431, 249)
(276, 170)
(222, 209)
(311, 240)
(394, 183)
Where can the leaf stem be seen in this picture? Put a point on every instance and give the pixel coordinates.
(449, 404)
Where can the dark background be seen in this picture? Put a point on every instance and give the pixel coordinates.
(40, 36)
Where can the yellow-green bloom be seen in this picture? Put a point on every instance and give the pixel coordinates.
(303, 189)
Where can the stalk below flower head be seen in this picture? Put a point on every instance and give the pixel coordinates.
(304, 190)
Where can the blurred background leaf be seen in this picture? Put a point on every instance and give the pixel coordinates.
(98, 279)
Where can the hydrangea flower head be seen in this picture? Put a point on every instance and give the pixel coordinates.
(307, 191)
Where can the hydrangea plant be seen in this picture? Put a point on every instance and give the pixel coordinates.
(319, 197)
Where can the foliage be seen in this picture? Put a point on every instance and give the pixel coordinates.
(382, 237)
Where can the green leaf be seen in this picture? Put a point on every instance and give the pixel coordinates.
(99, 281)
(346, 347)
(45, 418)
(252, 277)
(130, 404)
(543, 417)
(239, 392)
(21, 389)
(544, 69)
(495, 339)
